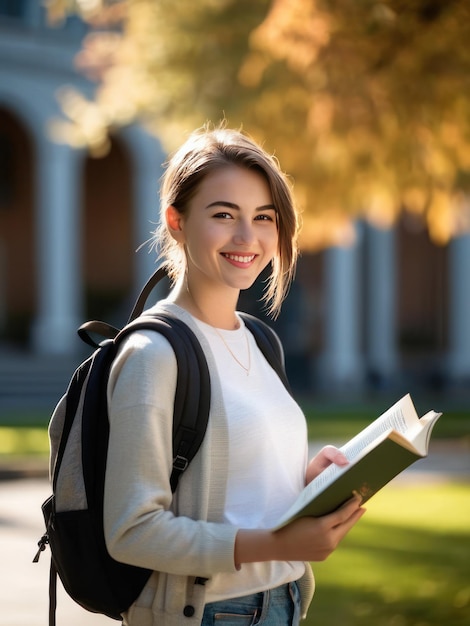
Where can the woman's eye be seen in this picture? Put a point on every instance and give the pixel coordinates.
(264, 217)
(223, 215)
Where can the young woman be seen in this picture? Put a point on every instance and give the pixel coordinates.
(227, 213)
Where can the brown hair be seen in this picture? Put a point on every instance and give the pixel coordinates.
(205, 151)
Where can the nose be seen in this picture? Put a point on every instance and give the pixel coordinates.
(244, 233)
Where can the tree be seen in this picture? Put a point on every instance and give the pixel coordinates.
(365, 103)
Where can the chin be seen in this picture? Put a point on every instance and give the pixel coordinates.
(246, 285)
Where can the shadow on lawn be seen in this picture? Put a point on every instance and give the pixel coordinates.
(387, 576)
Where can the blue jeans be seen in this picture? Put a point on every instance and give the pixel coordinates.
(275, 607)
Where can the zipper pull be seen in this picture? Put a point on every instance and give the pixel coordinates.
(42, 543)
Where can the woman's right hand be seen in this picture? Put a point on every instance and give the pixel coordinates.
(304, 539)
(315, 538)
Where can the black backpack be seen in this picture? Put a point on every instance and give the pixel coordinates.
(79, 432)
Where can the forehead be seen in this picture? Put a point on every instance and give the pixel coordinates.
(231, 182)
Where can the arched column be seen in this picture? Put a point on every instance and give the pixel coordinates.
(342, 360)
(459, 313)
(147, 158)
(380, 306)
(58, 222)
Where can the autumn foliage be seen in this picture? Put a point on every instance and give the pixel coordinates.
(365, 103)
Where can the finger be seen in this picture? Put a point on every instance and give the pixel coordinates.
(345, 526)
(349, 509)
(344, 512)
(354, 502)
(333, 455)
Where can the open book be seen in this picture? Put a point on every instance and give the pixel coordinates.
(377, 454)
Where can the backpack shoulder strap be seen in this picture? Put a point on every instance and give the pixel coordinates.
(192, 398)
(87, 330)
(269, 344)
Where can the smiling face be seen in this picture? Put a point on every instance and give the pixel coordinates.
(202, 158)
(229, 231)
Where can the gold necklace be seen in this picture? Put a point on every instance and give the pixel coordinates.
(245, 367)
(219, 334)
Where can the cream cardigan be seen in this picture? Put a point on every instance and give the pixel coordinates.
(181, 535)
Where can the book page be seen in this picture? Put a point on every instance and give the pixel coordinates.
(420, 434)
(393, 419)
(401, 417)
(331, 473)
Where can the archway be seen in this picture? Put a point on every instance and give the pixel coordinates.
(108, 239)
(17, 231)
(422, 302)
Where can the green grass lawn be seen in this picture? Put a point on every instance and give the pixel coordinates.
(406, 563)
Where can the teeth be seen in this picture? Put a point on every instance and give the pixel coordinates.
(240, 259)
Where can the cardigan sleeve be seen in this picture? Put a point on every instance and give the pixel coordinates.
(140, 527)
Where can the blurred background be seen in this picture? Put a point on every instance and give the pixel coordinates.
(366, 105)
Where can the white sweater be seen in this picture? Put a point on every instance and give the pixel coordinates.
(186, 535)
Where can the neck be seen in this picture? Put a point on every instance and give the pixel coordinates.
(215, 309)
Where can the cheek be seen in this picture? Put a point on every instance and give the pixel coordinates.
(272, 242)
(204, 239)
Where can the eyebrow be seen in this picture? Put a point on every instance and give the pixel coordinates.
(232, 205)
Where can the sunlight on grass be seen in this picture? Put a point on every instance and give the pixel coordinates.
(405, 564)
(440, 508)
(23, 441)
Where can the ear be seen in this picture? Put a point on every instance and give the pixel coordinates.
(174, 221)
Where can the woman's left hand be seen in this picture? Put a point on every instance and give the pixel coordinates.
(326, 456)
